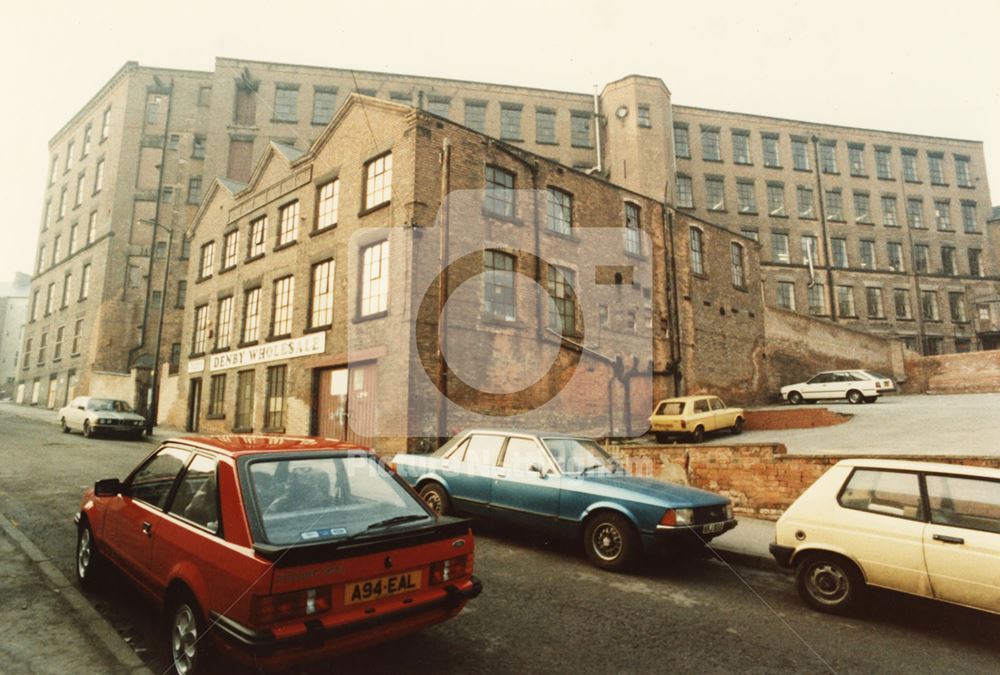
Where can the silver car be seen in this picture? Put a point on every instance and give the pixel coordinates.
(92, 415)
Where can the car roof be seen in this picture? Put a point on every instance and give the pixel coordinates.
(236, 445)
(521, 432)
(929, 467)
(686, 399)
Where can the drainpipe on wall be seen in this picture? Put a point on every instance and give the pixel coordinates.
(918, 307)
(597, 130)
(674, 313)
(442, 338)
(826, 240)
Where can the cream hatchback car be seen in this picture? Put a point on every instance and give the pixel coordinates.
(922, 528)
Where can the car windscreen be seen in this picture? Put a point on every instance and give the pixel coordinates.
(574, 455)
(304, 500)
(671, 408)
(108, 405)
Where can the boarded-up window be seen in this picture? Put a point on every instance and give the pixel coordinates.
(240, 160)
(245, 110)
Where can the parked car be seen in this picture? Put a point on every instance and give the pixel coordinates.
(883, 383)
(566, 487)
(857, 386)
(923, 528)
(93, 415)
(692, 417)
(276, 550)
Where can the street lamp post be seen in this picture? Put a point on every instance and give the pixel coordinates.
(152, 409)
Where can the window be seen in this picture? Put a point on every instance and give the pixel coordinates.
(281, 316)
(933, 346)
(69, 156)
(776, 199)
(942, 214)
(746, 198)
(838, 248)
(77, 337)
(910, 174)
(274, 398)
(889, 493)
(286, 101)
(834, 205)
(224, 323)
(251, 316)
(475, 115)
(862, 208)
(57, 347)
(26, 359)
(873, 301)
(67, 282)
(580, 129)
(375, 279)
(196, 500)
(244, 401)
(562, 300)
(929, 305)
(204, 96)
(499, 299)
(173, 141)
(935, 168)
(867, 251)
(845, 301)
(809, 248)
(324, 104)
(98, 176)
(85, 282)
(288, 223)
(948, 260)
(62, 202)
(889, 211)
(697, 251)
(685, 192)
(966, 502)
(883, 162)
(194, 190)
(741, 147)
(545, 126)
(153, 482)
(817, 300)
(499, 198)
(800, 154)
(856, 158)
(969, 223)
(510, 122)
(894, 252)
(962, 175)
(258, 230)
(34, 306)
(915, 213)
(199, 338)
(804, 201)
(56, 249)
(975, 262)
(54, 169)
(633, 236)
(217, 396)
(901, 302)
(921, 257)
(956, 307)
(642, 116)
(438, 106)
(378, 181)
(828, 156)
(715, 192)
(321, 295)
(786, 295)
(50, 297)
(181, 293)
(560, 211)
(779, 247)
(711, 149)
(41, 258)
(682, 142)
(207, 260)
(772, 156)
(230, 248)
(106, 124)
(738, 268)
(79, 189)
(198, 147)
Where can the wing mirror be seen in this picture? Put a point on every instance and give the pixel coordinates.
(108, 487)
(538, 467)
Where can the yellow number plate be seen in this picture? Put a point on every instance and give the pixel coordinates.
(375, 589)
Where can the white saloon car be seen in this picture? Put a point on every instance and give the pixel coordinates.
(91, 415)
(922, 528)
(857, 386)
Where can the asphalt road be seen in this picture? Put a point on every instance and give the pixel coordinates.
(544, 608)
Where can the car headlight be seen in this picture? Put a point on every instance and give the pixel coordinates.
(105, 421)
(677, 517)
(729, 511)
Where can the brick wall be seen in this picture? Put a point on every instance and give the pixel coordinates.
(975, 372)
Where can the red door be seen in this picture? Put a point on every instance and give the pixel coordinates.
(345, 405)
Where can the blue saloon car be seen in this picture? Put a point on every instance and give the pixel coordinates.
(565, 486)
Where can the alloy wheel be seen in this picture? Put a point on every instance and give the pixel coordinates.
(184, 639)
(607, 541)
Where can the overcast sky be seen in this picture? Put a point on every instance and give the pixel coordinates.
(912, 66)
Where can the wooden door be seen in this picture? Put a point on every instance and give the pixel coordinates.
(345, 403)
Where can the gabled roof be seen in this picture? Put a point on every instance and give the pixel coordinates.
(232, 187)
(355, 99)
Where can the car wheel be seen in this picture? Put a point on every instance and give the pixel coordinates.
(737, 426)
(854, 396)
(137, 435)
(437, 498)
(611, 542)
(661, 437)
(188, 646)
(88, 561)
(65, 427)
(698, 435)
(795, 398)
(871, 399)
(829, 583)
(87, 431)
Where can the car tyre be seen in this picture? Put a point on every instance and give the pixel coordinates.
(662, 437)
(186, 639)
(611, 542)
(437, 498)
(698, 435)
(65, 427)
(871, 399)
(89, 562)
(854, 396)
(737, 428)
(795, 398)
(87, 431)
(829, 583)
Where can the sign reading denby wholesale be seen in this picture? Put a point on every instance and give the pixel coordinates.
(272, 351)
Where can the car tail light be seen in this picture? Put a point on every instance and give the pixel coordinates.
(269, 609)
(392, 467)
(446, 570)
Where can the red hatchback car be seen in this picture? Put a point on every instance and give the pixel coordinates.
(276, 550)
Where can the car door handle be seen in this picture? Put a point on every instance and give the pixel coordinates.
(147, 529)
(501, 474)
(948, 540)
